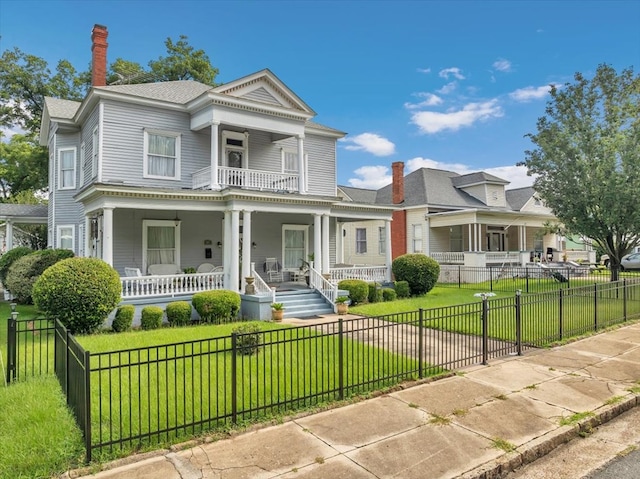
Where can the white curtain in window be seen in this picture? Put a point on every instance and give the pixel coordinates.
(361, 240)
(66, 238)
(67, 161)
(161, 245)
(162, 156)
(293, 248)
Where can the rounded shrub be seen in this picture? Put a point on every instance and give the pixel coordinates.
(151, 317)
(178, 313)
(7, 259)
(375, 293)
(419, 270)
(218, 306)
(124, 318)
(358, 290)
(26, 270)
(247, 339)
(389, 294)
(80, 292)
(402, 289)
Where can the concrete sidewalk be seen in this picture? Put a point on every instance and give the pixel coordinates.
(460, 426)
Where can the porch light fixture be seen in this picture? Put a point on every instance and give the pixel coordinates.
(176, 220)
(219, 244)
(254, 245)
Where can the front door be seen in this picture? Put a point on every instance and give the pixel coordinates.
(495, 242)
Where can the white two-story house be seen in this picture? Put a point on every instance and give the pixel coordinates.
(181, 174)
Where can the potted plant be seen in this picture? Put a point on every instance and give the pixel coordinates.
(342, 305)
(277, 311)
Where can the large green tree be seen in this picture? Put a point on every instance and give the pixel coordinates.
(587, 159)
(26, 79)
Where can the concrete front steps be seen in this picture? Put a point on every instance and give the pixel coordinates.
(303, 303)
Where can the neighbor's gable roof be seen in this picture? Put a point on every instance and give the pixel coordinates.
(477, 178)
(359, 195)
(15, 211)
(180, 92)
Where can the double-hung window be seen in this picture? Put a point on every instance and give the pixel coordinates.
(417, 238)
(161, 242)
(361, 240)
(382, 240)
(66, 168)
(161, 155)
(65, 237)
(95, 152)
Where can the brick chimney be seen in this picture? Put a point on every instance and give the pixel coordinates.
(99, 55)
(398, 182)
(399, 223)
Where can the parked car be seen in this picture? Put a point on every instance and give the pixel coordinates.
(630, 261)
(604, 260)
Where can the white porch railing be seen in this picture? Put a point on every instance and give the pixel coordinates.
(262, 288)
(366, 273)
(324, 287)
(448, 257)
(170, 285)
(506, 257)
(246, 178)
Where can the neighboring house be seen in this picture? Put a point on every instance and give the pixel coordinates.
(467, 219)
(180, 173)
(12, 216)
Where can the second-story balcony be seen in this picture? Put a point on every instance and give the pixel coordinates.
(247, 179)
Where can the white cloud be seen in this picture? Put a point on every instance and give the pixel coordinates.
(530, 93)
(453, 71)
(502, 65)
(434, 121)
(371, 177)
(371, 143)
(7, 132)
(429, 100)
(375, 177)
(448, 88)
(424, 70)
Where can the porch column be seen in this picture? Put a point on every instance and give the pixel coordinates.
(87, 236)
(246, 246)
(107, 235)
(524, 236)
(9, 234)
(302, 177)
(317, 242)
(232, 251)
(388, 257)
(427, 248)
(226, 249)
(325, 244)
(478, 237)
(214, 155)
(470, 238)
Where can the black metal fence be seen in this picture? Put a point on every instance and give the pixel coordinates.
(134, 397)
(529, 279)
(30, 348)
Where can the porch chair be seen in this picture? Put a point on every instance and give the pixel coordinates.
(205, 268)
(273, 270)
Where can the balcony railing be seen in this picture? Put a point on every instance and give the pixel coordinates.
(170, 285)
(245, 178)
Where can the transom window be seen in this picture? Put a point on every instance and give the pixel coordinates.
(162, 155)
(361, 240)
(67, 171)
(234, 149)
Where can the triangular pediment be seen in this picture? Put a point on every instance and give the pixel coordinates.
(264, 87)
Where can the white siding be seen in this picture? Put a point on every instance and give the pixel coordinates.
(67, 211)
(372, 256)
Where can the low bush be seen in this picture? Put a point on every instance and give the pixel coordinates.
(151, 317)
(7, 259)
(419, 270)
(80, 292)
(358, 290)
(178, 313)
(26, 270)
(217, 306)
(389, 294)
(124, 318)
(402, 289)
(375, 293)
(247, 339)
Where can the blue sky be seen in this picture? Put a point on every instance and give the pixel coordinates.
(453, 85)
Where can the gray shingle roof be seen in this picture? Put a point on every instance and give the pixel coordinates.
(518, 197)
(475, 178)
(61, 108)
(16, 211)
(359, 195)
(180, 92)
(313, 124)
